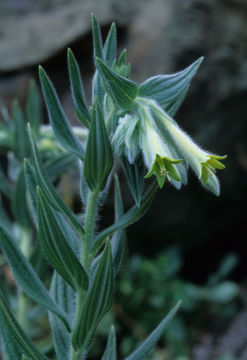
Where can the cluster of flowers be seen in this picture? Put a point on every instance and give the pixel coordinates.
(167, 150)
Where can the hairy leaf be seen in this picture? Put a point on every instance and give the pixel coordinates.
(59, 122)
(134, 214)
(122, 91)
(77, 90)
(99, 159)
(18, 334)
(56, 247)
(26, 277)
(143, 350)
(97, 303)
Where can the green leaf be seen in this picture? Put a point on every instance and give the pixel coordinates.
(134, 174)
(59, 164)
(31, 183)
(77, 90)
(18, 334)
(65, 297)
(33, 107)
(110, 45)
(144, 349)
(122, 91)
(118, 238)
(169, 90)
(10, 349)
(97, 39)
(97, 303)
(19, 204)
(49, 191)
(56, 247)
(20, 132)
(111, 350)
(98, 159)
(59, 122)
(134, 214)
(26, 277)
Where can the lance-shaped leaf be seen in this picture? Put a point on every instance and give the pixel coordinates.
(97, 303)
(98, 159)
(98, 88)
(18, 334)
(48, 188)
(33, 107)
(31, 183)
(118, 238)
(169, 90)
(134, 214)
(111, 349)
(20, 132)
(77, 90)
(144, 349)
(110, 45)
(26, 277)
(97, 39)
(10, 349)
(19, 204)
(59, 122)
(122, 91)
(135, 177)
(56, 247)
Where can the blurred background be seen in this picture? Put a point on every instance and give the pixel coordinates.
(191, 242)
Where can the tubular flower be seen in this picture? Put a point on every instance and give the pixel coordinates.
(203, 163)
(166, 149)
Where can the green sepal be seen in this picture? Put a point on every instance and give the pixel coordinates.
(110, 46)
(98, 159)
(77, 90)
(122, 91)
(97, 303)
(134, 214)
(59, 122)
(57, 249)
(17, 332)
(144, 349)
(33, 107)
(163, 167)
(169, 90)
(48, 189)
(21, 144)
(26, 277)
(110, 352)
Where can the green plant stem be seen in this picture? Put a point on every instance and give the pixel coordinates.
(75, 355)
(89, 227)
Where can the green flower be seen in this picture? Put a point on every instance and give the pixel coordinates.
(163, 167)
(209, 167)
(203, 163)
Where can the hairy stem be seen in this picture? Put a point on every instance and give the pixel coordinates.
(89, 228)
